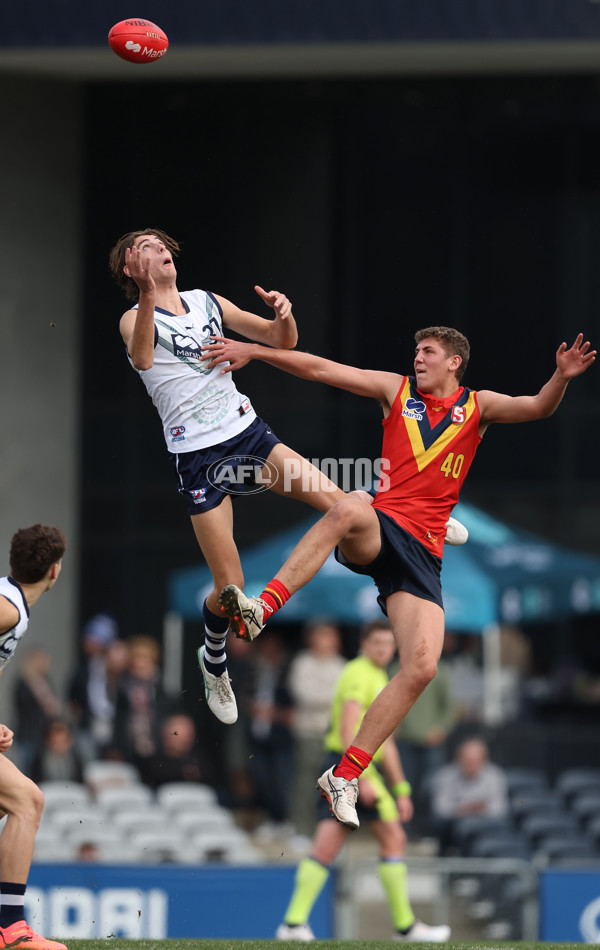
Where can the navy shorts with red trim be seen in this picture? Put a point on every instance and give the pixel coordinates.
(228, 468)
(403, 563)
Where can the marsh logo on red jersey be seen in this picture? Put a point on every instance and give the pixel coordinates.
(413, 409)
(459, 415)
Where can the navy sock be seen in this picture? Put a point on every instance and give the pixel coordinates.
(12, 903)
(215, 636)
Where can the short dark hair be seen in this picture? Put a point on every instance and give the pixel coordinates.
(33, 551)
(116, 260)
(368, 628)
(453, 341)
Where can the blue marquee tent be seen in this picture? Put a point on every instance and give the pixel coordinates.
(502, 575)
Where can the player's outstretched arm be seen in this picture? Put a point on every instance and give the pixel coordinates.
(280, 332)
(137, 326)
(364, 382)
(570, 362)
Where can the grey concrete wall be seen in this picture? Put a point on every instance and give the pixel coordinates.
(40, 317)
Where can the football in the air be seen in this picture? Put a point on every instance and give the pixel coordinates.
(138, 41)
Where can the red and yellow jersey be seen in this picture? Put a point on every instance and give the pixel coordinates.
(428, 447)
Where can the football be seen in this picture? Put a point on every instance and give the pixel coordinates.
(138, 41)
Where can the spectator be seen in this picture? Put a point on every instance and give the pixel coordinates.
(179, 758)
(471, 785)
(141, 705)
(36, 703)
(312, 678)
(422, 737)
(88, 852)
(91, 706)
(270, 737)
(58, 759)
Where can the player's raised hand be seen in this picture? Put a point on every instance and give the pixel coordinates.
(138, 269)
(277, 301)
(574, 361)
(6, 738)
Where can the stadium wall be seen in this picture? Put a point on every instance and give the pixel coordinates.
(40, 282)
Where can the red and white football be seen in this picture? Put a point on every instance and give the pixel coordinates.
(138, 41)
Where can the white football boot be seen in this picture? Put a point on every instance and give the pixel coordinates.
(218, 692)
(456, 533)
(300, 932)
(342, 796)
(247, 615)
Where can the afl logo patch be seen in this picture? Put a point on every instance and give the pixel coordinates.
(458, 415)
(177, 433)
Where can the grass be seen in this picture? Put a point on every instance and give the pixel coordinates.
(118, 944)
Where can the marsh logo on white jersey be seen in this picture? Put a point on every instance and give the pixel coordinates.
(185, 347)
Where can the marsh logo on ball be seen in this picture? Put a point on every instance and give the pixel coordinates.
(138, 41)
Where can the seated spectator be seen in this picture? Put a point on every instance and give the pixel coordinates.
(470, 785)
(179, 758)
(88, 852)
(58, 759)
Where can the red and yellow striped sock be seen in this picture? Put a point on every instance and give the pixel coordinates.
(354, 761)
(275, 595)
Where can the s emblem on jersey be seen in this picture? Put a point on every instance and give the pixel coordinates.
(413, 409)
(459, 415)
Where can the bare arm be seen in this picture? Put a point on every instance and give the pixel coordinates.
(364, 382)
(137, 326)
(497, 407)
(9, 615)
(280, 332)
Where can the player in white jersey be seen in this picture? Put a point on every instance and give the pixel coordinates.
(35, 562)
(212, 433)
(214, 438)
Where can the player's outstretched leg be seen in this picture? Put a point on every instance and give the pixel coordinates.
(456, 533)
(20, 936)
(342, 795)
(247, 615)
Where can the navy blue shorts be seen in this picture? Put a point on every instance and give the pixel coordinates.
(229, 468)
(403, 563)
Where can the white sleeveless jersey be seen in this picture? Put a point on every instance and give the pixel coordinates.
(9, 640)
(198, 407)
